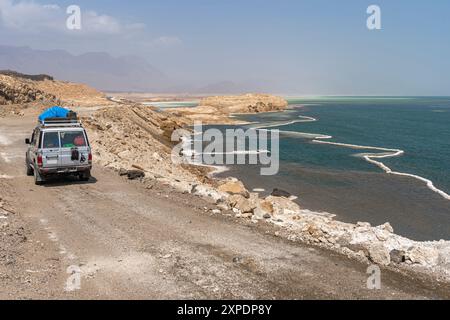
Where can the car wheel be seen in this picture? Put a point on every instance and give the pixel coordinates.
(29, 169)
(38, 180)
(85, 176)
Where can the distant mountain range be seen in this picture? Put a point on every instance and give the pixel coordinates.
(105, 72)
(100, 70)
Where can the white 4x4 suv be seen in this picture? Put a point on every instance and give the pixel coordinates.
(58, 146)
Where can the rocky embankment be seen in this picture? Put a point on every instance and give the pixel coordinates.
(370, 244)
(136, 138)
(16, 88)
(218, 109)
(19, 91)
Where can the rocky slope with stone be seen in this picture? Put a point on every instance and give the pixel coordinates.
(137, 138)
(22, 89)
(18, 91)
(379, 245)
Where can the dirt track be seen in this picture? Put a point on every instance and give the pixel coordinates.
(132, 242)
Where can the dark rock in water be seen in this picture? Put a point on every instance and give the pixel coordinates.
(397, 256)
(135, 174)
(280, 193)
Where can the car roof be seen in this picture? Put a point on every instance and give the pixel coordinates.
(53, 129)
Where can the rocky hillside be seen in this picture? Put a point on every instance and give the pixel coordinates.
(248, 103)
(218, 109)
(18, 91)
(37, 77)
(137, 139)
(17, 88)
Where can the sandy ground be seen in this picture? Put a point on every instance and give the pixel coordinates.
(132, 242)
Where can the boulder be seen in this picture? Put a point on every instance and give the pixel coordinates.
(425, 256)
(314, 231)
(344, 240)
(243, 204)
(207, 192)
(234, 187)
(397, 256)
(280, 193)
(266, 206)
(259, 214)
(282, 205)
(365, 225)
(262, 209)
(383, 232)
(387, 227)
(135, 174)
(379, 254)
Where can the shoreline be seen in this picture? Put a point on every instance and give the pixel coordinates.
(318, 138)
(362, 242)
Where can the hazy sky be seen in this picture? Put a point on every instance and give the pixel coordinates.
(289, 46)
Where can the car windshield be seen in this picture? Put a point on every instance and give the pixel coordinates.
(51, 140)
(70, 139)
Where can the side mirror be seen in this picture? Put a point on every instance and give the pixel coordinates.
(27, 141)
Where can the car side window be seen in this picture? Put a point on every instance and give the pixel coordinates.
(51, 140)
(34, 137)
(38, 138)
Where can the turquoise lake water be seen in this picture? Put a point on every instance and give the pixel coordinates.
(418, 126)
(331, 178)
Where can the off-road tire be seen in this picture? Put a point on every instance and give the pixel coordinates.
(85, 176)
(28, 169)
(38, 180)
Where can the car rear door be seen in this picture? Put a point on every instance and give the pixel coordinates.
(74, 148)
(50, 149)
(34, 146)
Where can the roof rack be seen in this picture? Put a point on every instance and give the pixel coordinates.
(60, 122)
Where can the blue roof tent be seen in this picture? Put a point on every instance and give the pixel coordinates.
(54, 112)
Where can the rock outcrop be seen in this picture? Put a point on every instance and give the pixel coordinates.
(248, 103)
(218, 109)
(136, 137)
(16, 88)
(379, 245)
(19, 91)
(34, 77)
(233, 187)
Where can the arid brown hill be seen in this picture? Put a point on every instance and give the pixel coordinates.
(17, 88)
(218, 109)
(37, 77)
